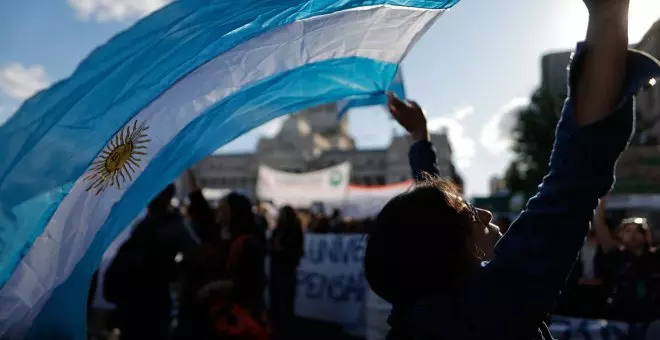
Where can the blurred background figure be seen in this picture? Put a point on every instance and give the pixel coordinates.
(138, 280)
(632, 268)
(286, 249)
(226, 276)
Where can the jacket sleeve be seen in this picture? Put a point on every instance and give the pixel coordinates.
(422, 160)
(511, 294)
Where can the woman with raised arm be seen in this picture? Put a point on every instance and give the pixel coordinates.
(433, 256)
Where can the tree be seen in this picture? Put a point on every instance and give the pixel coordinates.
(534, 136)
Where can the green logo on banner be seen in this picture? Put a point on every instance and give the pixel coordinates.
(336, 178)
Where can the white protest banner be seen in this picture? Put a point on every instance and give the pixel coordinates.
(331, 283)
(301, 190)
(364, 202)
(378, 310)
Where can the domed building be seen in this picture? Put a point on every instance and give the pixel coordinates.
(314, 139)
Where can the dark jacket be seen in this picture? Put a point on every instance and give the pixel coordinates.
(291, 241)
(138, 280)
(510, 297)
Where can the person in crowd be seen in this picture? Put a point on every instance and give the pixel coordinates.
(234, 266)
(632, 274)
(585, 294)
(337, 223)
(237, 303)
(286, 250)
(261, 221)
(261, 215)
(138, 280)
(433, 256)
(320, 224)
(202, 265)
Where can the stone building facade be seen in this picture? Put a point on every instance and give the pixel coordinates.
(314, 139)
(554, 78)
(554, 71)
(648, 100)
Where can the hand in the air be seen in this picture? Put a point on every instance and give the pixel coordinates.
(192, 180)
(409, 115)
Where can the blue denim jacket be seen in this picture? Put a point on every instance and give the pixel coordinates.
(510, 297)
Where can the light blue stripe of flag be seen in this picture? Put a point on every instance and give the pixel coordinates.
(379, 98)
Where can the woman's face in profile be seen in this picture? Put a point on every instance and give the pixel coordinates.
(484, 233)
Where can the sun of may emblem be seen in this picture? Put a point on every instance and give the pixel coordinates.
(119, 159)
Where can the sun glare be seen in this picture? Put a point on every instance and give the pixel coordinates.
(643, 13)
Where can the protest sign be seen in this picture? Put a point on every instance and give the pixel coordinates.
(331, 284)
(301, 190)
(566, 328)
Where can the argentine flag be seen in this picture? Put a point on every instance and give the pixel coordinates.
(80, 160)
(373, 99)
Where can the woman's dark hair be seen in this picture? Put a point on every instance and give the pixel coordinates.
(288, 218)
(419, 243)
(242, 219)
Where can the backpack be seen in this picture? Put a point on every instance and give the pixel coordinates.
(229, 319)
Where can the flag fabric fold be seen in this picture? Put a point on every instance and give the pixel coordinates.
(375, 99)
(81, 159)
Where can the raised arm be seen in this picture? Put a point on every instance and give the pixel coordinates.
(200, 210)
(603, 233)
(518, 288)
(422, 155)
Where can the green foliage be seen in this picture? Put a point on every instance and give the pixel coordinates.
(534, 136)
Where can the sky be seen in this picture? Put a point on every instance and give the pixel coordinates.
(470, 72)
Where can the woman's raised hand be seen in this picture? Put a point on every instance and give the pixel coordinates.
(409, 115)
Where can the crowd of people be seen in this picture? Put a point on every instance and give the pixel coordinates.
(200, 273)
(321, 224)
(617, 276)
(197, 261)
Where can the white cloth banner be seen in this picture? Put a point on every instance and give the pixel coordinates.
(302, 190)
(331, 284)
(378, 310)
(364, 202)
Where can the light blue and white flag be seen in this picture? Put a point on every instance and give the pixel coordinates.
(80, 160)
(374, 99)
